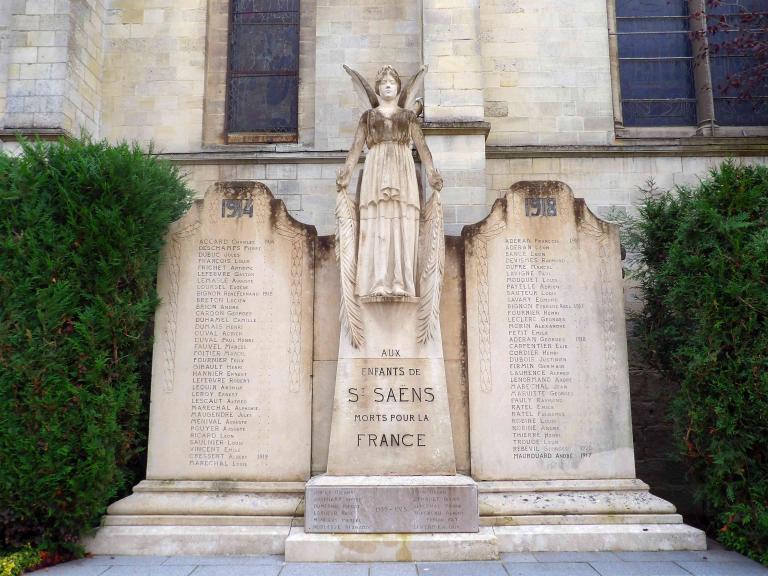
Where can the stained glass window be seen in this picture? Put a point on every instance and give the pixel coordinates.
(262, 95)
(657, 61)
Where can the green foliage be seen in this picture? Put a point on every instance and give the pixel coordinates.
(703, 255)
(19, 562)
(81, 228)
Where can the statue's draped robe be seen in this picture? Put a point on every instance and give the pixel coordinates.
(389, 207)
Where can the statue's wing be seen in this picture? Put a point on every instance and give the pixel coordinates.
(346, 256)
(409, 96)
(432, 265)
(367, 94)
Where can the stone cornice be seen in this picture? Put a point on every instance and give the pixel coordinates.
(719, 147)
(14, 134)
(710, 147)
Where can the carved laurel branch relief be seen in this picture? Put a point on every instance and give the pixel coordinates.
(607, 298)
(169, 333)
(493, 227)
(298, 239)
(346, 255)
(433, 268)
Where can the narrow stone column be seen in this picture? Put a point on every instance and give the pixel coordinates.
(454, 107)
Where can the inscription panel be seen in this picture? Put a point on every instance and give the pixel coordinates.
(549, 391)
(381, 509)
(231, 391)
(391, 414)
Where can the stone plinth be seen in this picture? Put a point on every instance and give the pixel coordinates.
(376, 504)
(200, 517)
(303, 547)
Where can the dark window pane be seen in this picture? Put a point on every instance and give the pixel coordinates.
(651, 7)
(738, 112)
(739, 88)
(665, 24)
(656, 45)
(655, 63)
(659, 113)
(263, 104)
(733, 76)
(239, 6)
(263, 66)
(265, 49)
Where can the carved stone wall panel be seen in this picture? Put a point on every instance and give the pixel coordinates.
(548, 379)
(232, 398)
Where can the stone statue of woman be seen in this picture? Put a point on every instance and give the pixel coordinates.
(390, 259)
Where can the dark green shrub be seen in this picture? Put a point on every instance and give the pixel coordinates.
(703, 255)
(81, 227)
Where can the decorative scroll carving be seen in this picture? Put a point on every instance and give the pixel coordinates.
(174, 269)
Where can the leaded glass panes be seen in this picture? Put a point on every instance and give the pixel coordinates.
(262, 95)
(739, 91)
(656, 63)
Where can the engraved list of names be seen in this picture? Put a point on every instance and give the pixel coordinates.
(547, 360)
(232, 396)
(229, 297)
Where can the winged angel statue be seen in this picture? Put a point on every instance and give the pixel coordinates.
(388, 250)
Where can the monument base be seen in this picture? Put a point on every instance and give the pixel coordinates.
(303, 547)
(599, 538)
(187, 540)
(167, 517)
(391, 504)
(583, 515)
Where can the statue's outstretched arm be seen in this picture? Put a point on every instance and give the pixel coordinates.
(435, 180)
(345, 174)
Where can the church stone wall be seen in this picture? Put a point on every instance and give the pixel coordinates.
(50, 65)
(154, 72)
(606, 183)
(364, 35)
(547, 72)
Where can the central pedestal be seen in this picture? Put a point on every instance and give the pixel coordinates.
(380, 504)
(390, 406)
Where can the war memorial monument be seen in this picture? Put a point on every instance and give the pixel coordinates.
(390, 393)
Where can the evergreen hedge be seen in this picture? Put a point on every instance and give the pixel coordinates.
(703, 255)
(81, 228)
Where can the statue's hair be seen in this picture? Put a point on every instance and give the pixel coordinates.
(392, 72)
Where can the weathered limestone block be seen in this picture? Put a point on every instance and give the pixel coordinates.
(231, 387)
(549, 393)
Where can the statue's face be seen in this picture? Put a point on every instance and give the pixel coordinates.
(388, 87)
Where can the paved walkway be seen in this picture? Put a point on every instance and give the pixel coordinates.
(715, 562)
